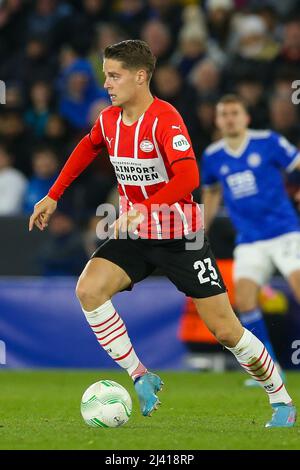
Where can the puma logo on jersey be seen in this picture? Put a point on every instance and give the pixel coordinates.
(177, 127)
(215, 283)
(109, 140)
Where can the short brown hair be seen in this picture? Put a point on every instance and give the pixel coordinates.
(232, 98)
(133, 54)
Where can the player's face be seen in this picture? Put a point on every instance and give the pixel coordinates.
(121, 83)
(232, 119)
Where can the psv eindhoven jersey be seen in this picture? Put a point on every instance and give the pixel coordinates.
(143, 156)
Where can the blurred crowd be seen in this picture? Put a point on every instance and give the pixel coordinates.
(51, 63)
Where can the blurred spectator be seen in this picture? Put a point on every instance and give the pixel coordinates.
(202, 134)
(284, 77)
(63, 254)
(12, 185)
(158, 36)
(167, 11)
(45, 171)
(290, 51)
(168, 84)
(252, 91)
(32, 63)
(13, 19)
(105, 35)
(57, 135)
(219, 14)
(285, 7)
(13, 133)
(95, 10)
(284, 118)
(45, 18)
(79, 28)
(36, 117)
(253, 51)
(14, 97)
(78, 91)
(253, 39)
(206, 78)
(269, 15)
(131, 15)
(194, 46)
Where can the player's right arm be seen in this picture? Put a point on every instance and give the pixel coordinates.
(211, 199)
(211, 190)
(84, 153)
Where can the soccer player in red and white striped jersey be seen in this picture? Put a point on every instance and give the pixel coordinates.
(155, 166)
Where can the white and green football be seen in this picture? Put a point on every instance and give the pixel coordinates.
(106, 404)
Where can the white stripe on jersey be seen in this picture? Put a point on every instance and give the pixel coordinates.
(136, 150)
(165, 175)
(183, 218)
(117, 144)
(177, 205)
(102, 127)
(143, 189)
(117, 135)
(136, 137)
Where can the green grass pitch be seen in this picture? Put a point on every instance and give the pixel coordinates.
(41, 410)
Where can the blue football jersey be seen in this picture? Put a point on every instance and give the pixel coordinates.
(253, 185)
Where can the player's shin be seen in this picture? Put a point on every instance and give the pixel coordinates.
(112, 335)
(255, 359)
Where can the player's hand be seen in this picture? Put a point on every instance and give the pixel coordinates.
(127, 222)
(42, 213)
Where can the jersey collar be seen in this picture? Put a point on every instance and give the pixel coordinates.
(240, 150)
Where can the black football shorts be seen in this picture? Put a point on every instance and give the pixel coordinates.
(193, 271)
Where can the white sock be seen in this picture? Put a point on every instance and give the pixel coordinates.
(255, 359)
(112, 335)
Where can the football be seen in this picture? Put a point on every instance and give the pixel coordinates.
(106, 404)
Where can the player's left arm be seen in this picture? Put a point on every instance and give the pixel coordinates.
(172, 135)
(287, 155)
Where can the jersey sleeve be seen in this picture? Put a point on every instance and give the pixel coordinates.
(96, 136)
(208, 177)
(284, 154)
(173, 136)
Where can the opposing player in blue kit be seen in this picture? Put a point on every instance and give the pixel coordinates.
(246, 166)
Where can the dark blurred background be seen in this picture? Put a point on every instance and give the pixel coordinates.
(51, 63)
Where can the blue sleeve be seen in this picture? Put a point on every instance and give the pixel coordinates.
(208, 178)
(284, 154)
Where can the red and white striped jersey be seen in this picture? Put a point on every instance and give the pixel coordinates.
(142, 155)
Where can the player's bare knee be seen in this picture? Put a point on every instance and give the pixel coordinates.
(229, 334)
(92, 294)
